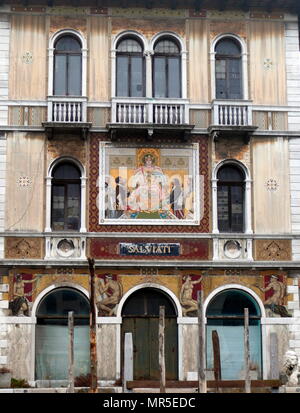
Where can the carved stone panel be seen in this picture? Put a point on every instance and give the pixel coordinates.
(20, 248)
(273, 250)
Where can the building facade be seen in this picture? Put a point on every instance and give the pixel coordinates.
(162, 141)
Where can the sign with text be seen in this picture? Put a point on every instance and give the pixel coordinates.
(158, 249)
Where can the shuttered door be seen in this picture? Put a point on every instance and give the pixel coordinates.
(145, 344)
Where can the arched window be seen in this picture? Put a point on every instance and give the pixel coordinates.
(52, 334)
(130, 68)
(66, 197)
(228, 69)
(67, 67)
(230, 199)
(166, 69)
(225, 315)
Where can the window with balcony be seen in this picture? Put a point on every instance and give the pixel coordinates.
(230, 199)
(166, 69)
(130, 76)
(66, 197)
(67, 67)
(228, 69)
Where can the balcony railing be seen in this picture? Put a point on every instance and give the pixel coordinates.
(141, 111)
(67, 110)
(232, 113)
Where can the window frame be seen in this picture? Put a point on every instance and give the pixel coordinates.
(77, 35)
(244, 64)
(230, 185)
(67, 64)
(247, 195)
(59, 182)
(227, 58)
(129, 55)
(166, 57)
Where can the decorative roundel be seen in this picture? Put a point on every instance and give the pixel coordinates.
(27, 58)
(65, 248)
(232, 249)
(272, 184)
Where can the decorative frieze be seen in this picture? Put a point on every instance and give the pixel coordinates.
(272, 250)
(21, 248)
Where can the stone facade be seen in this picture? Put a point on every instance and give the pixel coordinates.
(172, 253)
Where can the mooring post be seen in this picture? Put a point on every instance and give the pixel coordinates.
(93, 346)
(247, 352)
(71, 351)
(217, 358)
(128, 361)
(201, 353)
(161, 349)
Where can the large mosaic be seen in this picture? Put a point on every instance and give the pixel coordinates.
(144, 188)
(148, 185)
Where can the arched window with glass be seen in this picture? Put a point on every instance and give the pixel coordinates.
(230, 199)
(228, 66)
(52, 336)
(225, 317)
(66, 197)
(130, 77)
(67, 66)
(166, 69)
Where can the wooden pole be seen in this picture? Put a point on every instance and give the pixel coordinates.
(201, 358)
(161, 349)
(71, 351)
(128, 361)
(217, 358)
(93, 346)
(247, 351)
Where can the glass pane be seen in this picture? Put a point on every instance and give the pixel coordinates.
(66, 171)
(166, 46)
(73, 206)
(52, 352)
(234, 79)
(129, 46)
(232, 302)
(63, 300)
(68, 44)
(136, 76)
(228, 47)
(231, 339)
(237, 208)
(58, 207)
(60, 68)
(174, 77)
(74, 75)
(223, 209)
(230, 174)
(160, 77)
(122, 76)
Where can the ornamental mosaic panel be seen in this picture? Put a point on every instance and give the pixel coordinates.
(20, 248)
(133, 187)
(273, 250)
(148, 185)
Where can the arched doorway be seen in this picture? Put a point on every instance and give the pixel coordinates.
(225, 314)
(51, 354)
(140, 316)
